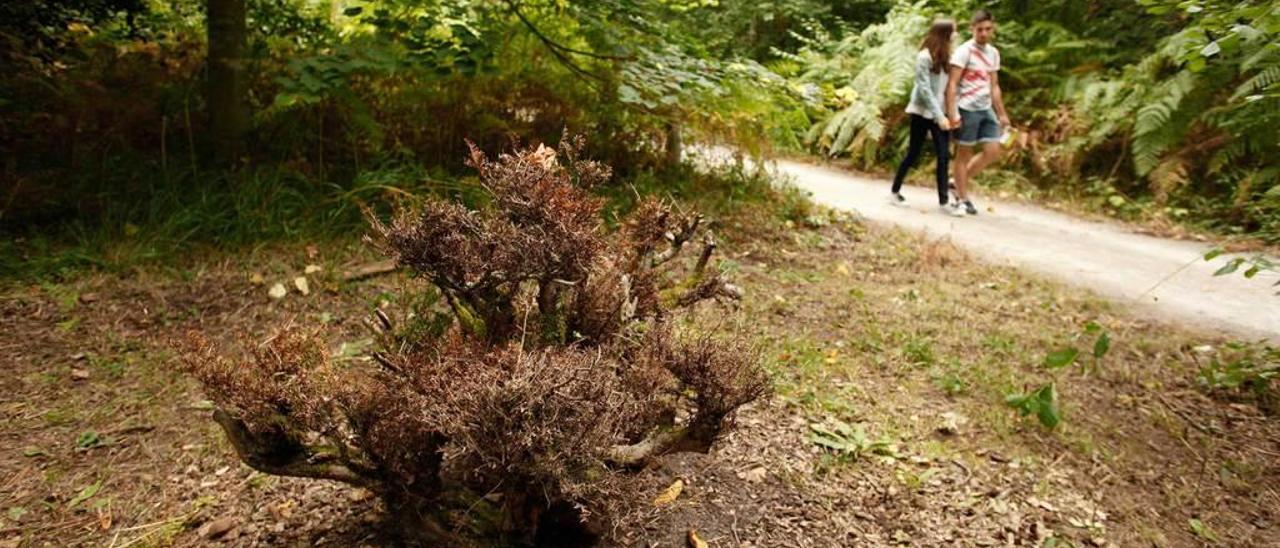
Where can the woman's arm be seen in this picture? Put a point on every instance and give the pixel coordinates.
(923, 89)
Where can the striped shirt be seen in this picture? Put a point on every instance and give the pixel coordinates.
(973, 91)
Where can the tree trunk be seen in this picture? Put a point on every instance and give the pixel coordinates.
(675, 146)
(225, 92)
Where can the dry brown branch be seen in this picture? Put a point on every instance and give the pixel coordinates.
(556, 373)
(370, 270)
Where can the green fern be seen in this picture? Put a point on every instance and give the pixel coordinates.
(1153, 133)
(1260, 82)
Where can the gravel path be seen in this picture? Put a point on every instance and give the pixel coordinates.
(1161, 277)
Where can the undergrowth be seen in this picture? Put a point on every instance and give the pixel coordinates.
(166, 217)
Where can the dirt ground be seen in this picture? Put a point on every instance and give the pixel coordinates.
(905, 342)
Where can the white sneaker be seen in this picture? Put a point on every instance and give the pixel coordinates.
(950, 211)
(898, 200)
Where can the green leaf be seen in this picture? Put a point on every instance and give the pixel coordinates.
(1201, 530)
(88, 439)
(85, 494)
(1101, 346)
(33, 451)
(1253, 271)
(353, 11)
(1061, 358)
(16, 513)
(1215, 252)
(1047, 406)
(1230, 267)
(1092, 327)
(628, 94)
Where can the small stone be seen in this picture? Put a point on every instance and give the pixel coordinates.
(80, 374)
(301, 283)
(88, 297)
(277, 291)
(312, 269)
(756, 475)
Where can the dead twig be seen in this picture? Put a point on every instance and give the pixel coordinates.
(370, 270)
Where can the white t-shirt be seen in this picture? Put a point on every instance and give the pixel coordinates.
(973, 91)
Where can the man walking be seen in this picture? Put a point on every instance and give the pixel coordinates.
(975, 105)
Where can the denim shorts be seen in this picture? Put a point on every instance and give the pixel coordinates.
(978, 126)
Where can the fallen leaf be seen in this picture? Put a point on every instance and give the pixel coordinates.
(951, 423)
(85, 494)
(756, 475)
(301, 283)
(256, 279)
(312, 269)
(843, 269)
(88, 297)
(277, 291)
(695, 541)
(669, 494)
(284, 510)
(217, 527)
(79, 374)
(313, 251)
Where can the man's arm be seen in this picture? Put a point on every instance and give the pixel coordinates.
(997, 99)
(952, 111)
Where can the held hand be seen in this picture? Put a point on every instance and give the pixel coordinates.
(955, 122)
(1004, 121)
(944, 124)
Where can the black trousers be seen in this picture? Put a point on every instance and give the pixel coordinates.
(919, 126)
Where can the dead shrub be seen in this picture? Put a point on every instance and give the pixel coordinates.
(561, 373)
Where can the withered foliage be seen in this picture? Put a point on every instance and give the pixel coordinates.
(561, 372)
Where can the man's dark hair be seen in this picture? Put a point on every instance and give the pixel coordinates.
(982, 15)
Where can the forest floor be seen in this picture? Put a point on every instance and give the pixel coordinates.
(905, 343)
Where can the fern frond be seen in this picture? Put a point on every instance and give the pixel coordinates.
(1153, 134)
(1260, 82)
(1167, 176)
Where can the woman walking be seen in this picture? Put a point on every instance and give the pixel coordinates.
(927, 98)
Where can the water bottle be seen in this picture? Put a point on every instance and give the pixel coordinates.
(1009, 136)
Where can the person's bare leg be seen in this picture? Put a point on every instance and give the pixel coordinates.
(964, 154)
(990, 153)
